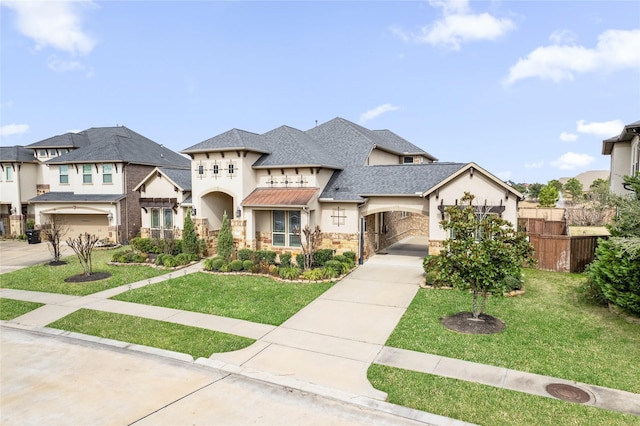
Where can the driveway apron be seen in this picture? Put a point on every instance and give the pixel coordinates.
(333, 340)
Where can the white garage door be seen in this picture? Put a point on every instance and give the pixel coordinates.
(94, 224)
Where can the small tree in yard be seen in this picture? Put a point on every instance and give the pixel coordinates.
(310, 244)
(53, 232)
(574, 187)
(225, 238)
(549, 195)
(483, 254)
(190, 243)
(83, 246)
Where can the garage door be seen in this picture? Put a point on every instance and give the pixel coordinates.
(94, 224)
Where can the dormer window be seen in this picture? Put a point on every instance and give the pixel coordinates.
(42, 153)
(53, 153)
(407, 160)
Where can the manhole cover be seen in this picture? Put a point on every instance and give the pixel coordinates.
(567, 393)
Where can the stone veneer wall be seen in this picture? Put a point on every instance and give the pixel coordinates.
(398, 227)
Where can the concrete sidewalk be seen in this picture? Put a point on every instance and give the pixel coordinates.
(328, 346)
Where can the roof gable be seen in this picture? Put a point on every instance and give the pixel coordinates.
(234, 139)
(180, 178)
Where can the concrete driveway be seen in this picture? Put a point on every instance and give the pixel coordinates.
(15, 254)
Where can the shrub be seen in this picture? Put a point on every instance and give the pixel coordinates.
(265, 256)
(615, 273)
(159, 259)
(218, 263)
(247, 265)
(512, 283)
(208, 264)
(336, 265)
(225, 238)
(128, 256)
(145, 245)
(273, 270)
(300, 260)
(245, 254)
(350, 255)
(289, 272)
(190, 243)
(320, 257)
(315, 274)
(236, 265)
(285, 260)
(169, 261)
(225, 267)
(329, 272)
(261, 267)
(340, 258)
(183, 259)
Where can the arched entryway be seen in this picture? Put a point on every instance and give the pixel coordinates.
(213, 206)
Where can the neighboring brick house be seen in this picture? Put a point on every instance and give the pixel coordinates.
(624, 150)
(365, 189)
(87, 180)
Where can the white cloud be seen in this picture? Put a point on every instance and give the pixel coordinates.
(57, 24)
(563, 37)
(615, 50)
(458, 25)
(602, 129)
(13, 129)
(536, 165)
(60, 65)
(373, 113)
(568, 137)
(572, 160)
(505, 175)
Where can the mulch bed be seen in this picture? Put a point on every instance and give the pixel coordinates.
(56, 263)
(82, 278)
(463, 322)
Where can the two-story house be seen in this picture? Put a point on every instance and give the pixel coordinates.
(624, 150)
(88, 180)
(365, 189)
(18, 173)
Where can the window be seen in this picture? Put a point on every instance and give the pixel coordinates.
(107, 176)
(86, 173)
(635, 158)
(200, 170)
(407, 160)
(9, 173)
(162, 218)
(42, 153)
(155, 218)
(64, 175)
(284, 224)
(216, 170)
(404, 215)
(53, 153)
(231, 168)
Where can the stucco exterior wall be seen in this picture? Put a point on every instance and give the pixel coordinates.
(485, 190)
(51, 175)
(620, 166)
(379, 157)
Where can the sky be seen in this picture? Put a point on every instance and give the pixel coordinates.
(526, 89)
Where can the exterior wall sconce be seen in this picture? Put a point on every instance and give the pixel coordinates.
(110, 216)
(238, 213)
(193, 212)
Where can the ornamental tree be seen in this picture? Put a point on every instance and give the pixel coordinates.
(225, 239)
(549, 195)
(574, 187)
(190, 244)
(482, 255)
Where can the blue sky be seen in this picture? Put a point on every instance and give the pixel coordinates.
(526, 89)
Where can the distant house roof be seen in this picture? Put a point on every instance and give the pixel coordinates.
(70, 197)
(272, 197)
(629, 131)
(16, 154)
(112, 144)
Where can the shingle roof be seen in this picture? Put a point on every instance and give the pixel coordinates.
(233, 139)
(182, 177)
(280, 197)
(400, 145)
(120, 144)
(68, 140)
(628, 133)
(16, 154)
(354, 183)
(291, 147)
(70, 197)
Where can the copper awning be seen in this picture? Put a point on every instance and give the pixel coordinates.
(274, 197)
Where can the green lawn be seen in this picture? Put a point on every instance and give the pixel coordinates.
(550, 331)
(10, 309)
(251, 298)
(486, 405)
(197, 342)
(50, 279)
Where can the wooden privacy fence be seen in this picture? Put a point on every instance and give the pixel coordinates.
(538, 226)
(562, 253)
